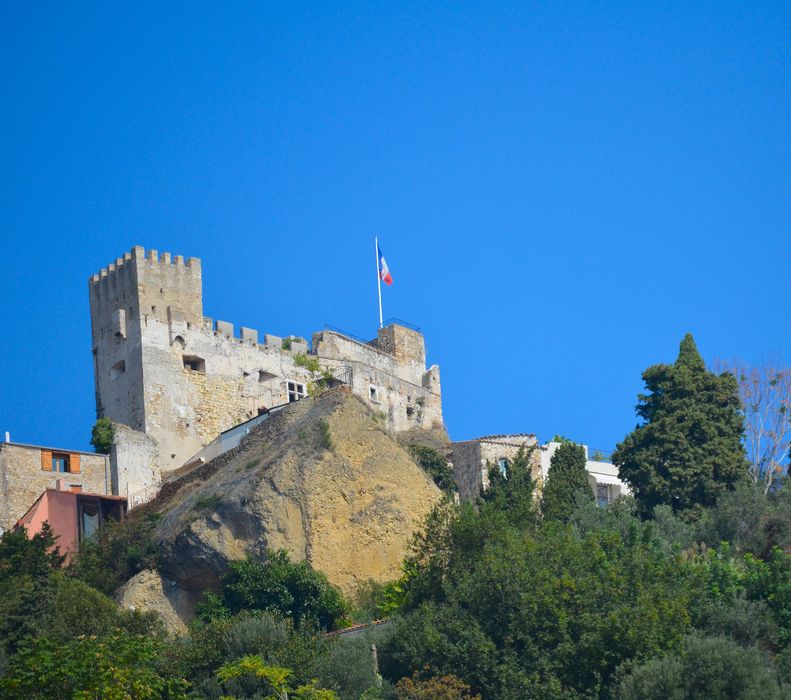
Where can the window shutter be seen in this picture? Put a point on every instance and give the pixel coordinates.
(46, 460)
(74, 464)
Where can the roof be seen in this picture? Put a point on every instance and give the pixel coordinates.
(54, 449)
(494, 438)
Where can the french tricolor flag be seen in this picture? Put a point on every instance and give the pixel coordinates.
(384, 271)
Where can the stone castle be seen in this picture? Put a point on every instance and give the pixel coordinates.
(182, 389)
(173, 380)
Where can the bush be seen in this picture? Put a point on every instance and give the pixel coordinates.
(294, 591)
(118, 552)
(707, 667)
(118, 666)
(103, 435)
(435, 465)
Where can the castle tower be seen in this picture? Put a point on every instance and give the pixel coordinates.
(124, 298)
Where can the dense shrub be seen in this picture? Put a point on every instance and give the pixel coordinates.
(705, 667)
(435, 465)
(292, 590)
(119, 551)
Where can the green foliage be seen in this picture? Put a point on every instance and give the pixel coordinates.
(434, 688)
(325, 439)
(688, 450)
(512, 494)
(116, 667)
(377, 601)
(310, 363)
(118, 552)
(293, 590)
(435, 465)
(250, 676)
(520, 613)
(208, 501)
(346, 666)
(37, 556)
(706, 667)
(103, 435)
(567, 481)
(726, 578)
(749, 520)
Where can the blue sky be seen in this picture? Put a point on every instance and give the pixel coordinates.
(562, 190)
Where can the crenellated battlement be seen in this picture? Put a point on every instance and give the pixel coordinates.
(139, 255)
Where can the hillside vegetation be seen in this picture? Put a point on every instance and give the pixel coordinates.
(512, 597)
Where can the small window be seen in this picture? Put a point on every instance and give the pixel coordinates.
(194, 363)
(373, 392)
(180, 340)
(60, 463)
(602, 495)
(117, 369)
(264, 376)
(502, 465)
(296, 391)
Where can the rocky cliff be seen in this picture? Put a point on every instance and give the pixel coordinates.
(321, 478)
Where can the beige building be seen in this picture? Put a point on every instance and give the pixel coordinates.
(174, 380)
(26, 471)
(472, 458)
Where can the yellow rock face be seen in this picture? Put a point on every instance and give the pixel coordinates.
(321, 479)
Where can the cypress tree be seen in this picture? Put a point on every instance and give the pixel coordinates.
(567, 481)
(688, 449)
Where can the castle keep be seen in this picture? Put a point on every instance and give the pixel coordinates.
(173, 380)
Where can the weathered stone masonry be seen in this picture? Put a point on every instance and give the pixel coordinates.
(27, 470)
(177, 379)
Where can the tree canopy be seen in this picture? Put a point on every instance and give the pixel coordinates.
(688, 449)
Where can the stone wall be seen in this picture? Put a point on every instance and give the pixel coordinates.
(472, 457)
(26, 471)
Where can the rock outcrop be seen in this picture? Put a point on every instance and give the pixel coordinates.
(322, 479)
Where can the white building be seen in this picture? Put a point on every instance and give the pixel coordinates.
(603, 475)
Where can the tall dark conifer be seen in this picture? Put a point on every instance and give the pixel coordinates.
(567, 481)
(688, 450)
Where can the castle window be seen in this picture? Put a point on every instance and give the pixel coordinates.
(374, 394)
(194, 363)
(264, 376)
(178, 339)
(502, 465)
(296, 392)
(117, 369)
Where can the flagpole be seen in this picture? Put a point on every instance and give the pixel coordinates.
(378, 279)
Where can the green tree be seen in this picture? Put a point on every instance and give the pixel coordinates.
(688, 450)
(567, 482)
(293, 590)
(103, 435)
(512, 493)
